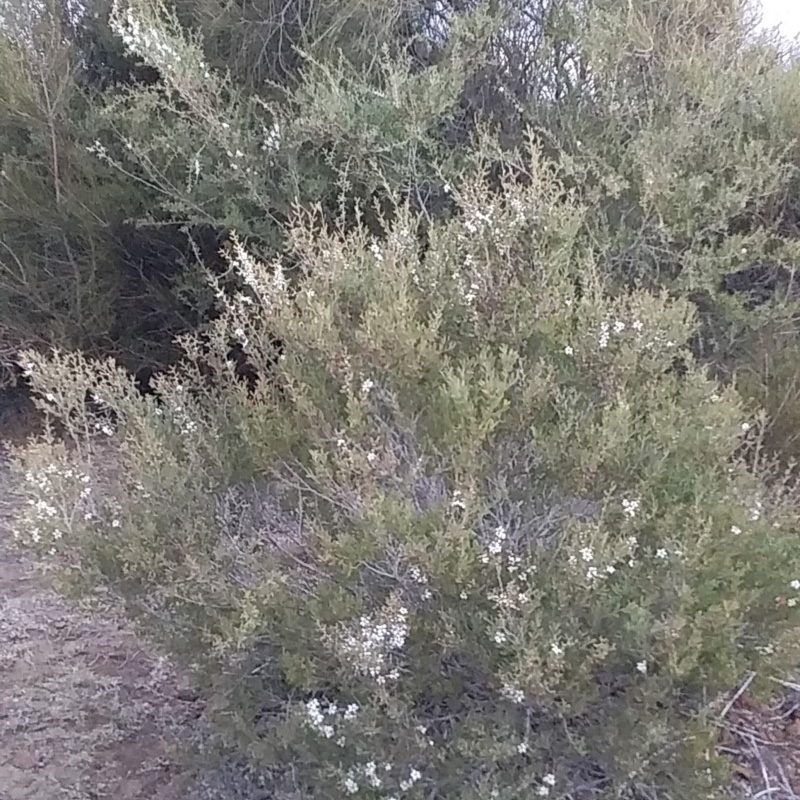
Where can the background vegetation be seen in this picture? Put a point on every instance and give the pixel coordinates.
(506, 501)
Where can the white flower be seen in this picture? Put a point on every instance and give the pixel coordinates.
(641, 666)
(610, 569)
(500, 637)
(463, 595)
(556, 649)
(735, 530)
(661, 553)
(549, 779)
(522, 748)
(372, 457)
(591, 573)
(630, 507)
(602, 339)
(415, 775)
(350, 786)
(568, 350)
(795, 584)
(791, 602)
(514, 694)
(351, 711)
(637, 325)
(587, 554)
(367, 386)
(543, 791)
(115, 523)
(745, 427)
(619, 326)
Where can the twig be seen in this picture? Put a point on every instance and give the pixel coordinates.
(742, 689)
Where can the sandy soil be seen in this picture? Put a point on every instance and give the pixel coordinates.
(85, 712)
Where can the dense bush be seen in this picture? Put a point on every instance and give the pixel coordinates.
(472, 535)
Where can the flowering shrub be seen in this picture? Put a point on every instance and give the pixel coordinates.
(472, 536)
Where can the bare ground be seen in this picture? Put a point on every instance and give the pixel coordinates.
(85, 712)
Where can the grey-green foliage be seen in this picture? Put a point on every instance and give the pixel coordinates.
(355, 113)
(472, 526)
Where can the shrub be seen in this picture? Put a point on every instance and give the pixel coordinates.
(474, 537)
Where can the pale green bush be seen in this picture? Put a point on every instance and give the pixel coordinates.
(473, 536)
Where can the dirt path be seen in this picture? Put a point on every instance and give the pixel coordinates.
(85, 713)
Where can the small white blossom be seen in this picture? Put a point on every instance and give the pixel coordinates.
(735, 530)
(602, 339)
(457, 502)
(522, 748)
(795, 584)
(630, 507)
(556, 649)
(500, 637)
(641, 666)
(661, 553)
(568, 350)
(514, 694)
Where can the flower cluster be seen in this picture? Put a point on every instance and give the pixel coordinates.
(420, 578)
(324, 720)
(369, 773)
(55, 499)
(268, 284)
(272, 138)
(618, 328)
(151, 43)
(369, 644)
(180, 414)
